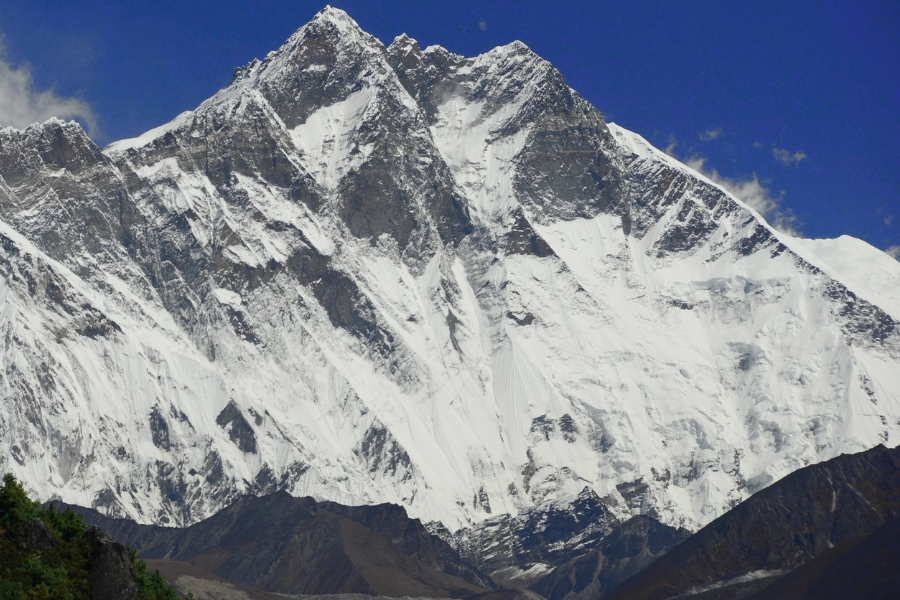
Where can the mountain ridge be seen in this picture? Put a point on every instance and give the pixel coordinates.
(375, 274)
(780, 529)
(281, 544)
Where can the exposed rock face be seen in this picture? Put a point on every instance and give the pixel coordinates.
(506, 546)
(779, 528)
(595, 571)
(410, 537)
(36, 535)
(387, 274)
(565, 551)
(239, 430)
(112, 575)
(861, 568)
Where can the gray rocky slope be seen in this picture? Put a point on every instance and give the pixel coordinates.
(807, 515)
(372, 274)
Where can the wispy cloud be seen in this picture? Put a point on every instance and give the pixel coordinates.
(482, 25)
(888, 220)
(893, 252)
(786, 157)
(753, 193)
(21, 104)
(749, 190)
(670, 149)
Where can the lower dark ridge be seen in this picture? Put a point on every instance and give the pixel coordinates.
(278, 545)
(827, 531)
(830, 530)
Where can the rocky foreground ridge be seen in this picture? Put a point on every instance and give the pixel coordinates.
(830, 530)
(841, 516)
(386, 274)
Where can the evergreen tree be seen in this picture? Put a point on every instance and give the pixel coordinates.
(60, 572)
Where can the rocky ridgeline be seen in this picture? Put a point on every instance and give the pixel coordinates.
(806, 536)
(584, 547)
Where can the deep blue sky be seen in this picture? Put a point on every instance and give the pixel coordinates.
(816, 78)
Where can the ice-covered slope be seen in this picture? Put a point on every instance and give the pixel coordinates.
(377, 274)
(861, 267)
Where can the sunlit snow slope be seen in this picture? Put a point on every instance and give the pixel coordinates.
(375, 274)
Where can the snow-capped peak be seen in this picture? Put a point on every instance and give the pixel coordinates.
(377, 275)
(404, 44)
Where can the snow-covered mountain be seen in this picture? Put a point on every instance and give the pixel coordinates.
(375, 274)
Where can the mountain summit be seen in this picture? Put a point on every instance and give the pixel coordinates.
(371, 274)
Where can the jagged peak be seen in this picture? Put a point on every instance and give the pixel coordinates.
(404, 38)
(52, 122)
(331, 29)
(338, 20)
(403, 44)
(440, 50)
(335, 15)
(72, 128)
(71, 131)
(55, 143)
(347, 30)
(334, 27)
(330, 25)
(516, 48)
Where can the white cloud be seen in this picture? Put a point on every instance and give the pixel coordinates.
(670, 149)
(754, 194)
(710, 134)
(21, 104)
(482, 25)
(787, 158)
(893, 252)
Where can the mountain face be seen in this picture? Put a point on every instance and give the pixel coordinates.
(373, 274)
(815, 515)
(286, 545)
(592, 572)
(564, 550)
(862, 568)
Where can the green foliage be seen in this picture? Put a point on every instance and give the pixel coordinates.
(29, 574)
(46, 581)
(15, 505)
(67, 525)
(156, 588)
(152, 587)
(60, 573)
(17, 508)
(10, 589)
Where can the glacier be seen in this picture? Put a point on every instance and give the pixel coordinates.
(385, 274)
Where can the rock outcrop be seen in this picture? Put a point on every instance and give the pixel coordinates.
(111, 571)
(35, 535)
